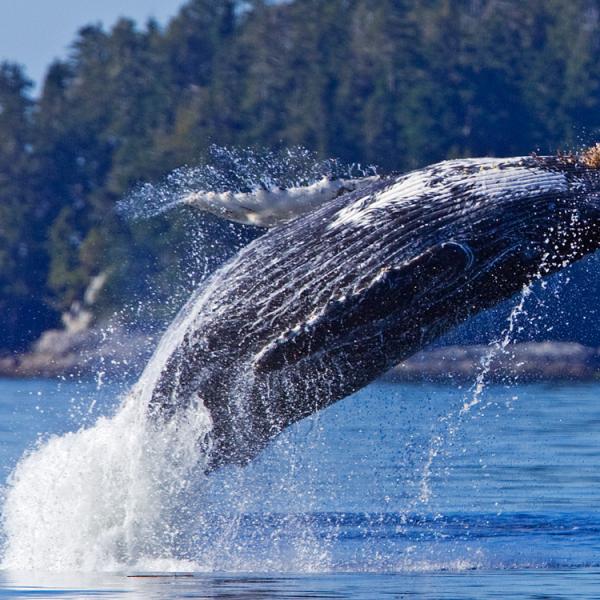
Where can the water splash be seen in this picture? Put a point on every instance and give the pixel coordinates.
(237, 170)
(128, 495)
(105, 497)
(125, 492)
(452, 421)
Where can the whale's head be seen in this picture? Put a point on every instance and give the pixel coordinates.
(562, 224)
(447, 241)
(532, 214)
(518, 220)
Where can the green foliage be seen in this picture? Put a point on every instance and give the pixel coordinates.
(398, 83)
(23, 257)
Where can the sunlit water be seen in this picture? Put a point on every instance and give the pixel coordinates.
(335, 507)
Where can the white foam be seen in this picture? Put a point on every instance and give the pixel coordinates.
(103, 498)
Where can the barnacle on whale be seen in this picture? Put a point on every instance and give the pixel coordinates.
(590, 157)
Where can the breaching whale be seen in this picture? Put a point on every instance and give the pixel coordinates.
(325, 302)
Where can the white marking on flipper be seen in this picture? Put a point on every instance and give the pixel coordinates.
(272, 207)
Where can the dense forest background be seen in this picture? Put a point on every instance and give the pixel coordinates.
(398, 83)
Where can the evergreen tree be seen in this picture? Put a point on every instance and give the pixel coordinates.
(399, 83)
(23, 260)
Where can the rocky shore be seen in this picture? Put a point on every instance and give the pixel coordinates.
(81, 353)
(533, 361)
(85, 352)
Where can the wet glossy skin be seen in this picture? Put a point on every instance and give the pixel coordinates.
(319, 307)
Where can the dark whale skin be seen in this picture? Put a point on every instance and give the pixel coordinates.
(317, 308)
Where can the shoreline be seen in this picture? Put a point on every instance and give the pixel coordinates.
(113, 350)
(523, 362)
(62, 353)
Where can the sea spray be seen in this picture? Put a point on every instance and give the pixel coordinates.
(108, 497)
(128, 495)
(237, 170)
(105, 497)
(452, 421)
(125, 493)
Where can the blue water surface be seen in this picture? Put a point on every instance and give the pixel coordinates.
(397, 491)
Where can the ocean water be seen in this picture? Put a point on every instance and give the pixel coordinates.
(398, 491)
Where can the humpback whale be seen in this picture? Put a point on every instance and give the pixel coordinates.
(324, 303)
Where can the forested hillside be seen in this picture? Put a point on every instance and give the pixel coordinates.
(398, 83)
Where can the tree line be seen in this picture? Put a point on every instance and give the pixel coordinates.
(396, 83)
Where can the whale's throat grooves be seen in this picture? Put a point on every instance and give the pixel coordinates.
(319, 307)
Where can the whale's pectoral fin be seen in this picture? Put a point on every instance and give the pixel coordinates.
(386, 296)
(275, 206)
